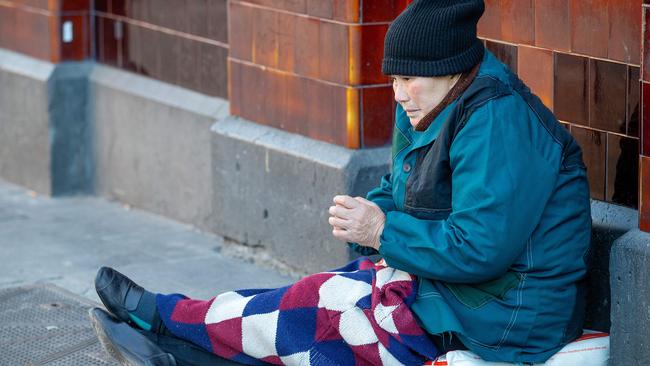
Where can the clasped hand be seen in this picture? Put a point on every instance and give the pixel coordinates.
(357, 220)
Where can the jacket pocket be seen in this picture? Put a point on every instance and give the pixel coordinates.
(476, 295)
(428, 213)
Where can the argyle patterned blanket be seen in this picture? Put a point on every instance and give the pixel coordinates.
(355, 315)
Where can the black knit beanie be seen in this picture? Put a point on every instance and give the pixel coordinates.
(434, 38)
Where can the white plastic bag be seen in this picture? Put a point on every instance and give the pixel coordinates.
(591, 349)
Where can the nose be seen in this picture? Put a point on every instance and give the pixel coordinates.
(401, 95)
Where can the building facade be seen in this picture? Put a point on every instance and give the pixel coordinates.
(244, 117)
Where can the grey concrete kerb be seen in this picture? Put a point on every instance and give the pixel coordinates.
(24, 121)
(630, 281)
(274, 189)
(609, 222)
(152, 144)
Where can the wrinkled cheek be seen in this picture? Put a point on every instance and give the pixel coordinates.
(414, 94)
(414, 91)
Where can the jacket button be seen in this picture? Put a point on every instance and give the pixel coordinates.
(406, 167)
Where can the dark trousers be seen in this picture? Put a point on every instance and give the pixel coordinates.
(186, 353)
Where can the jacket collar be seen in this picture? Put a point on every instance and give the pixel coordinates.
(489, 66)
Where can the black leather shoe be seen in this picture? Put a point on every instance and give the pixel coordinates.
(125, 344)
(118, 293)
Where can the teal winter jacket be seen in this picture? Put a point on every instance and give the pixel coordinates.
(489, 207)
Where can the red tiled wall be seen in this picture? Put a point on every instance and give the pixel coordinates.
(34, 27)
(313, 67)
(179, 42)
(581, 57)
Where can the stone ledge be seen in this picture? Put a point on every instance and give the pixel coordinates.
(70, 129)
(25, 153)
(274, 189)
(17, 63)
(630, 276)
(159, 92)
(609, 222)
(152, 144)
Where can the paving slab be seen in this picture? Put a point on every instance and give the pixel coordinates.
(51, 248)
(65, 240)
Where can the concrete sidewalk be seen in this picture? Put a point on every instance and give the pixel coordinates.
(47, 244)
(65, 240)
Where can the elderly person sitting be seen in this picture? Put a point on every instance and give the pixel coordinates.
(482, 225)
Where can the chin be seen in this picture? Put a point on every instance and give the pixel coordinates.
(414, 121)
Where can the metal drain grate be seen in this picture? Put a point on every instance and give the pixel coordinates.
(46, 325)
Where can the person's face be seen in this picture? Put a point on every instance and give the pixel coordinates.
(420, 95)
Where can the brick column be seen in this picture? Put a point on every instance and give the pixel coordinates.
(54, 30)
(313, 67)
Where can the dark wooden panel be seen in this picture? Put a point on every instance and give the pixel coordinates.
(622, 170)
(593, 144)
(607, 97)
(570, 95)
